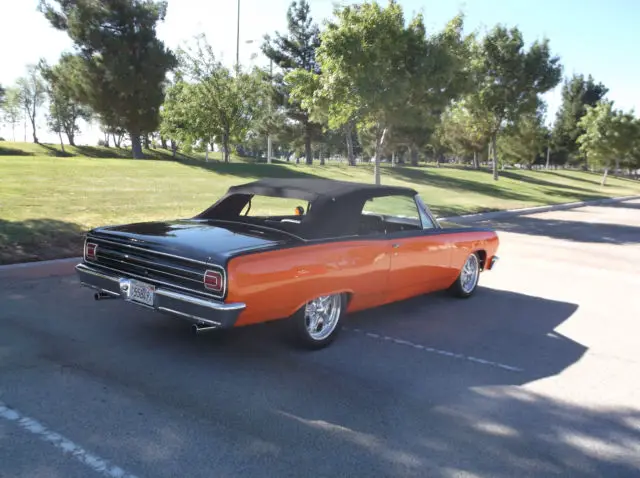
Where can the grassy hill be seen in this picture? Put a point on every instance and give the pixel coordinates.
(47, 202)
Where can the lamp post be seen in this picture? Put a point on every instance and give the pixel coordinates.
(269, 144)
(238, 41)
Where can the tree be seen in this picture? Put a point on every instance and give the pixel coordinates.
(2, 95)
(64, 110)
(465, 131)
(440, 75)
(12, 110)
(292, 51)
(523, 141)
(175, 114)
(221, 106)
(509, 79)
(374, 70)
(120, 63)
(32, 95)
(577, 94)
(609, 136)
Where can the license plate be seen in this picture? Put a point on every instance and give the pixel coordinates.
(141, 292)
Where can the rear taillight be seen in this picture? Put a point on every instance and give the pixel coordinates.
(213, 280)
(90, 250)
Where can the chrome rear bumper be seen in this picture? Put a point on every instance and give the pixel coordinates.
(196, 310)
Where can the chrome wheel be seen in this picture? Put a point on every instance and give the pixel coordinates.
(321, 316)
(469, 274)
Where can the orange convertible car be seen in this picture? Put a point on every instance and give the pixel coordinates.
(345, 247)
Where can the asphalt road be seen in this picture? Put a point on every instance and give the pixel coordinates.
(536, 375)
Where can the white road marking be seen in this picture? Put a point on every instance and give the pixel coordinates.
(470, 358)
(65, 445)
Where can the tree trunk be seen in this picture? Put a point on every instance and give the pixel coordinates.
(414, 155)
(136, 146)
(350, 156)
(307, 144)
(495, 156)
(163, 142)
(548, 150)
(33, 125)
(61, 142)
(476, 164)
(379, 143)
(174, 148)
(604, 176)
(225, 146)
(72, 139)
(321, 158)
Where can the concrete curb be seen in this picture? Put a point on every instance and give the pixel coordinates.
(483, 216)
(64, 267)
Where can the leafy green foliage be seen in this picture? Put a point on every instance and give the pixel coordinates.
(465, 131)
(610, 136)
(296, 50)
(523, 142)
(31, 95)
(510, 79)
(577, 94)
(218, 105)
(11, 108)
(120, 63)
(64, 109)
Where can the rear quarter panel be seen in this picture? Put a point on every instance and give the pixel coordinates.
(274, 284)
(464, 243)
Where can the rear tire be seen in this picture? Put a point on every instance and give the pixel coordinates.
(318, 323)
(467, 281)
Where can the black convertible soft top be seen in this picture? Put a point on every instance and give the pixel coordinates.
(335, 210)
(312, 189)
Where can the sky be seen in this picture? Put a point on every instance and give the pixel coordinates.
(600, 38)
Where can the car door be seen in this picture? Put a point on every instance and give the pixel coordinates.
(419, 258)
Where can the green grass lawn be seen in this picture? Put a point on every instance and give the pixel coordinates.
(47, 202)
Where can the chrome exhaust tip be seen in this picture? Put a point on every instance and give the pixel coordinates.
(102, 296)
(198, 328)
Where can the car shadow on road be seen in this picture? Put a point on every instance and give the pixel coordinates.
(577, 231)
(503, 327)
(363, 406)
(623, 205)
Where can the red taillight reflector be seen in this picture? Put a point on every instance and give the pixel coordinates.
(213, 280)
(90, 250)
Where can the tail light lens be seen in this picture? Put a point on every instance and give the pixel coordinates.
(90, 250)
(213, 280)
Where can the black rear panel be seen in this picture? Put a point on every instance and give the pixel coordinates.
(154, 267)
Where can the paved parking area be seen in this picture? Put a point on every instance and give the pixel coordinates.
(536, 375)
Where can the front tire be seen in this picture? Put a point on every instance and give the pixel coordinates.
(467, 281)
(318, 322)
